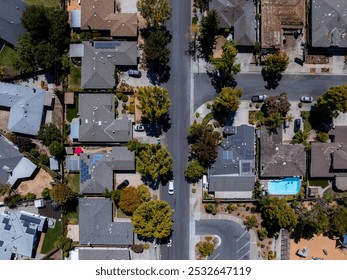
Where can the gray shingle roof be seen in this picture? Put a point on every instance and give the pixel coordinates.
(26, 107)
(280, 160)
(101, 57)
(239, 14)
(13, 165)
(233, 169)
(96, 170)
(10, 20)
(96, 226)
(103, 254)
(329, 23)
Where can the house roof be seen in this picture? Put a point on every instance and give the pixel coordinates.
(280, 160)
(18, 233)
(278, 15)
(239, 14)
(96, 226)
(26, 107)
(329, 23)
(96, 170)
(97, 120)
(13, 165)
(101, 15)
(233, 169)
(103, 254)
(11, 26)
(100, 59)
(339, 134)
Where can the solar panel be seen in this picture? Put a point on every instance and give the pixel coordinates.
(246, 167)
(1, 243)
(26, 223)
(8, 227)
(30, 219)
(249, 154)
(227, 155)
(237, 142)
(5, 220)
(30, 231)
(107, 45)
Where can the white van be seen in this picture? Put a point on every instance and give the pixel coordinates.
(204, 182)
(171, 187)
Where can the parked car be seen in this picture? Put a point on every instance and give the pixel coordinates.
(171, 187)
(259, 98)
(297, 125)
(123, 185)
(134, 73)
(139, 127)
(306, 99)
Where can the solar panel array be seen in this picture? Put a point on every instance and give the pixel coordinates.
(85, 175)
(96, 159)
(8, 227)
(30, 219)
(5, 220)
(246, 167)
(30, 231)
(107, 45)
(249, 154)
(227, 155)
(1, 243)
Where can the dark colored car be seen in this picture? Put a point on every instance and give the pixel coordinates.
(123, 185)
(259, 98)
(297, 125)
(134, 73)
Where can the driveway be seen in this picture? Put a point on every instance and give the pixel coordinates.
(235, 240)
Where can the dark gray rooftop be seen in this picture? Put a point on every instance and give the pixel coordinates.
(100, 58)
(97, 120)
(10, 20)
(329, 23)
(103, 254)
(233, 169)
(96, 226)
(280, 160)
(96, 170)
(239, 14)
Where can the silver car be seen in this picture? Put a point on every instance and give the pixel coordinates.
(306, 99)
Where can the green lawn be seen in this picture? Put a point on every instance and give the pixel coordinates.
(72, 110)
(46, 3)
(7, 57)
(51, 236)
(319, 183)
(74, 182)
(75, 78)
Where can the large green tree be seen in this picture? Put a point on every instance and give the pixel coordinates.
(62, 194)
(204, 143)
(208, 33)
(153, 219)
(225, 65)
(194, 171)
(333, 101)
(129, 200)
(154, 161)
(48, 133)
(155, 12)
(144, 193)
(277, 104)
(56, 149)
(227, 100)
(154, 102)
(338, 220)
(277, 214)
(277, 63)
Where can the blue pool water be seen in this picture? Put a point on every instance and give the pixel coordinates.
(286, 186)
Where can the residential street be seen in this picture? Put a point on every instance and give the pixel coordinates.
(253, 84)
(179, 90)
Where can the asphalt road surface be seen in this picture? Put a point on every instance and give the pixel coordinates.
(253, 84)
(235, 240)
(179, 90)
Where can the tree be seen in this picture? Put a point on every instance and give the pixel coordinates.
(155, 12)
(154, 102)
(129, 200)
(29, 196)
(202, 4)
(56, 149)
(277, 104)
(48, 133)
(251, 221)
(277, 63)
(225, 65)
(46, 193)
(333, 101)
(206, 248)
(157, 54)
(144, 193)
(62, 194)
(43, 159)
(194, 171)
(204, 143)
(23, 143)
(135, 145)
(115, 196)
(227, 100)
(153, 219)
(64, 243)
(277, 214)
(322, 137)
(338, 220)
(154, 161)
(300, 137)
(5, 188)
(208, 33)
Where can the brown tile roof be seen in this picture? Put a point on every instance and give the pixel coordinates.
(277, 15)
(101, 15)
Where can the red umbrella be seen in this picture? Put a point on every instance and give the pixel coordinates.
(78, 150)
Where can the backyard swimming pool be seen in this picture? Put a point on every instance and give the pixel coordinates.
(286, 186)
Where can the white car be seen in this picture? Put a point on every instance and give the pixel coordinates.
(171, 187)
(306, 99)
(139, 127)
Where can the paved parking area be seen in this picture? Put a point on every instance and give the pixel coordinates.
(136, 82)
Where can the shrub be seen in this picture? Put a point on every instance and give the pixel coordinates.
(210, 208)
(194, 20)
(206, 248)
(257, 105)
(124, 111)
(262, 245)
(46, 193)
(137, 248)
(132, 100)
(12, 200)
(29, 196)
(129, 200)
(194, 190)
(116, 103)
(131, 109)
(119, 95)
(116, 113)
(209, 106)
(322, 136)
(262, 234)
(247, 208)
(43, 159)
(300, 104)
(207, 118)
(231, 207)
(125, 98)
(146, 246)
(34, 152)
(125, 106)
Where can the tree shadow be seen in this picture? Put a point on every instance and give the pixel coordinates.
(272, 80)
(155, 128)
(219, 81)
